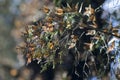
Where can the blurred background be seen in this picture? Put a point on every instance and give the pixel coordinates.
(14, 16)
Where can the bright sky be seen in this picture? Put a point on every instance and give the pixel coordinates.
(111, 5)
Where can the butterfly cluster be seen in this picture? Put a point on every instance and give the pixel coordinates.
(68, 29)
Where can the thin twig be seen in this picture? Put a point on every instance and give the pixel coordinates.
(85, 64)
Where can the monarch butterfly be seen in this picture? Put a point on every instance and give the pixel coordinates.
(46, 9)
(59, 11)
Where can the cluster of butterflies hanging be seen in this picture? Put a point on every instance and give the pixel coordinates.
(48, 38)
